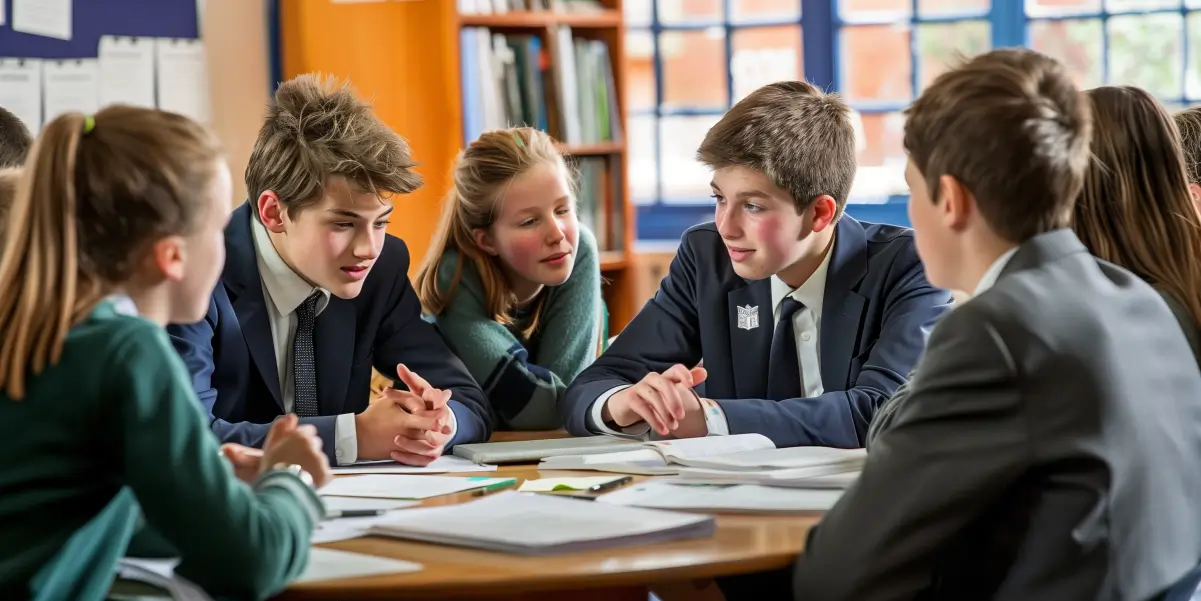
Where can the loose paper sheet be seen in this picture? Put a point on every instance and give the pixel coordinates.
(70, 85)
(404, 486)
(21, 90)
(442, 465)
(50, 18)
(181, 78)
(127, 71)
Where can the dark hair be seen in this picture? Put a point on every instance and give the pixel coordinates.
(15, 140)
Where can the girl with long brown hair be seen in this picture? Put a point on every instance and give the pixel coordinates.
(116, 230)
(1135, 209)
(512, 279)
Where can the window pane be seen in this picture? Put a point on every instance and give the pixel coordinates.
(1061, 7)
(1192, 82)
(873, 9)
(877, 63)
(637, 13)
(643, 176)
(763, 55)
(684, 179)
(684, 11)
(930, 8)
(765, 9)
(640, 71)
(1077, 43)
(882, 162)
(694, 68)
(1146, 51)
(941, 44)
(1192, 3)
(1126, 5)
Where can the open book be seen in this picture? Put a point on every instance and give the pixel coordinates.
(533, 524)
(738, 498)
(740, 452)
(821, 477)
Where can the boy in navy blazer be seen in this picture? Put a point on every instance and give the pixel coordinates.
(314, 293)
(807, 320)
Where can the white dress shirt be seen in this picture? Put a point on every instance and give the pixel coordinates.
(286, 292)
(994, 271)
(806, 325)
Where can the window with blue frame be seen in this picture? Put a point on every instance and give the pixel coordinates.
(689, 60)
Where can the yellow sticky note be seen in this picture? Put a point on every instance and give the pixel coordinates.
(555, 484)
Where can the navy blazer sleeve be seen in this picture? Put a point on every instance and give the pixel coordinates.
(194, 343)
(840, 418)
(665, 332)
(404, 337)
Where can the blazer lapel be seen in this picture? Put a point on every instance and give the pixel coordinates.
(242, 279)
(842, 306)
(334, 342)
(750, 319)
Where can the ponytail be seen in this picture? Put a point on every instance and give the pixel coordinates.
(43, 295)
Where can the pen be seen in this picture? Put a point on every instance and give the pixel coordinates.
(353, 513)
(493, 487)
(610, 485)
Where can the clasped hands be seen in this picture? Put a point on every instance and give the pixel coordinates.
(408, 426)
(665, 401)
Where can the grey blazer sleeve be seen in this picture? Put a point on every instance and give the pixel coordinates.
(952, 448)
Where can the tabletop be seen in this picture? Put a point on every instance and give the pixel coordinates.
(742, 544)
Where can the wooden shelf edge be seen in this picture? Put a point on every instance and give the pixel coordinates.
(597, 149)
(613, 260)
(607, 18)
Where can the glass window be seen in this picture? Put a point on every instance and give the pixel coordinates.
(941, 45)
(684, 179)
(1147, 51)
(1079, 44)
(643, 169)
(1042, 8)
(762, 55)
(690, 11)
(694, 73)
(779, 10)
(876, 64)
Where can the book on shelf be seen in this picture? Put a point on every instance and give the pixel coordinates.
(563, 85)
(487, 7)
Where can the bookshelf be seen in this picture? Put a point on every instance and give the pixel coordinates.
(599, 150)
(406, 58)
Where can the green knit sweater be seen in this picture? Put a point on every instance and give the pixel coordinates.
(525, 380)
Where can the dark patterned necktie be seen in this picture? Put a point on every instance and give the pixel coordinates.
(304, 363)
(784, 367)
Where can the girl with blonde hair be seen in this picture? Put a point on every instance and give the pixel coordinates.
(512, 280)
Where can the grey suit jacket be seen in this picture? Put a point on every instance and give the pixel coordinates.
(1046, 449)
(1192, 330)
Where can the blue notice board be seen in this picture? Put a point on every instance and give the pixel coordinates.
(92, 19)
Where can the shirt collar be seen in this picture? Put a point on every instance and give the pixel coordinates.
(286, 289)
(809, 293)
(994, 271)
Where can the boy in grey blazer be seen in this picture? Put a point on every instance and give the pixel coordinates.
(1045, 448)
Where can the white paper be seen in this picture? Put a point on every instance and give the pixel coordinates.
(442, 465)
(329, 531)
(126, 71)
(50, 18)
(803, 477)
(331, 564)
(181, 78)
(404, 486)
(21, 90)
(160, 573)
(743, 498)
(552, 484)
(2, 11)
(357, 503)
(793, 457)
(70, 85)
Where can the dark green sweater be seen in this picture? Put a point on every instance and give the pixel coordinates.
(114, 432)
(525, 379)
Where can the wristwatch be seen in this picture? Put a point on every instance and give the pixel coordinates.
(297, 471)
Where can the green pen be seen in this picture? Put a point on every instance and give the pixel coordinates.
(495, 486)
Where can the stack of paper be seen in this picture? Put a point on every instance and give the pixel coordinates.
(445, 464)
(532, 524)
(803, 477)
(742, 498)
(660, 457)
(406, 486)
(324, 564)
(533, 450)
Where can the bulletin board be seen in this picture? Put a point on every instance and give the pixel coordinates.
(92, 19)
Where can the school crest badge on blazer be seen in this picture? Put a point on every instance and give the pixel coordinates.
(748, 317)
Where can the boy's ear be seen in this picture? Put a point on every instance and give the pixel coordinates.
(956, 202)
(1195, 190)
(167, 255)
(484, 241)
(271, 212)
(825, 212)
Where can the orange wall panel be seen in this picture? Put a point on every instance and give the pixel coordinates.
(403, 58)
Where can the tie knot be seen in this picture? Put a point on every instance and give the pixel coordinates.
(789, 306)
(309, 306)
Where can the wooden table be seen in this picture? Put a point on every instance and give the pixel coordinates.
(742, 544)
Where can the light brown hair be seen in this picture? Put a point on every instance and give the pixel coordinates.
(86, 204)
(8, 190)
(801, 138)
(481, 175)
(317, 128)
(1188, 122)
(1014, 130)
(1135, 209)
(15, 140)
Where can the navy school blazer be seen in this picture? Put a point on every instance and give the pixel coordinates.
(232, 358)
(877, 311)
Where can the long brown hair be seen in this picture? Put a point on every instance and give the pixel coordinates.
(94, 191)
(481, 175)
(1135, 210)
